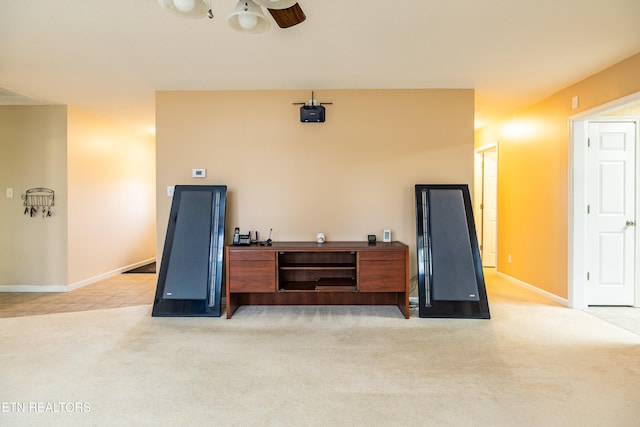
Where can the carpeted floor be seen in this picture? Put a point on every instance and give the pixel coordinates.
(533, 364)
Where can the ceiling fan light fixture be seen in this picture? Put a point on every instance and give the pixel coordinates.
(276, 4)
(247, 21)
(247, 17)
(184, 6)
(187, 8)
(288, 17)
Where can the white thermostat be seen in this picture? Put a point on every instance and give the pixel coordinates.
(386, 236)
(198, 173)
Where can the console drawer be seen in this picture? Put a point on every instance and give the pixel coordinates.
(252, 255)
(382, 256)
(382, 276)
(252, 276)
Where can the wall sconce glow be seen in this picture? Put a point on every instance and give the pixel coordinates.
(518, 129)
(479, 123)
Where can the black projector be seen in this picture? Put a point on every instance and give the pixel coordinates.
(312, 113)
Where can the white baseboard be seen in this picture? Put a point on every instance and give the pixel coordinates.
(73, 286)
(108, 274)
(34, 288)
(534, 289)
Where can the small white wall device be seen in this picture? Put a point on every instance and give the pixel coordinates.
(386, 236)
(198, 173)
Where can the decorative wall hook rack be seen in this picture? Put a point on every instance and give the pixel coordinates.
(38, 199)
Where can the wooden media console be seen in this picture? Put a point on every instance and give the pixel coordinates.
(309, 273)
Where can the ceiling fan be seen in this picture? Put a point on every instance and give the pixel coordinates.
(247, 17)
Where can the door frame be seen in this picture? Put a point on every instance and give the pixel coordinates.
(577, 189)
(478, 185)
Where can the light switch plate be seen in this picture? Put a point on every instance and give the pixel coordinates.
(9, 192)
(170, 189)
(575, 102)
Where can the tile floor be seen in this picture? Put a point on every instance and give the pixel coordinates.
(123, 290)
(625, 317)
(126, 290)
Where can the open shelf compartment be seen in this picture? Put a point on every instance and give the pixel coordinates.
(320, 285)
(317, 271)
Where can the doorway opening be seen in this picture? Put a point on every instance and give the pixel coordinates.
(604, 199)
(486, 202)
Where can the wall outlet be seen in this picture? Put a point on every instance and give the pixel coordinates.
(170, 189)
(509, 258)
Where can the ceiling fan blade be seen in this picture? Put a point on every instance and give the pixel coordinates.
(288, 17)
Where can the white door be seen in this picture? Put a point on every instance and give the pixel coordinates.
(611, 213)
(489, 207)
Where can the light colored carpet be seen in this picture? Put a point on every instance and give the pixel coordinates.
(532, 364)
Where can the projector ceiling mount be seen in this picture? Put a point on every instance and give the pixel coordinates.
(312, 102)
(312, 111)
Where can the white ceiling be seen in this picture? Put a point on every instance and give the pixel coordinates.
(110, 56)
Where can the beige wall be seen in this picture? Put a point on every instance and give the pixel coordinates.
(103, 175)
(533, 176)
(111, 174)
(348, 177)
(33, 153)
